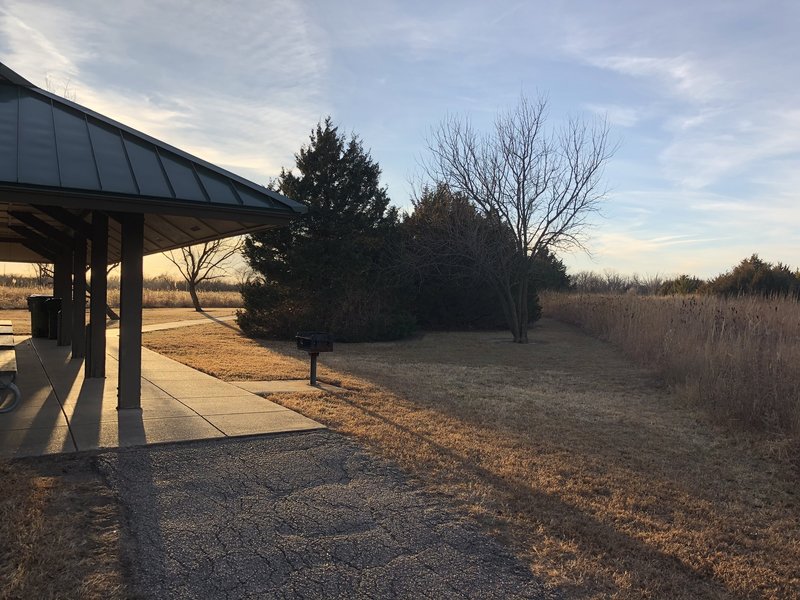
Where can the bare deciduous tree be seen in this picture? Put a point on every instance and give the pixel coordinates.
(203, 262)
(535, 190)
(44, 276)
(44, 273)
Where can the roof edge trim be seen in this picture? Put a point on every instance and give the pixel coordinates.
(14, 77)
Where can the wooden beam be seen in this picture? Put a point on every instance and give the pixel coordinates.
(79, 297)
(67, 219)
(62, 288)
(96, 359)
(130, 326)
(47, 254)
(42, 227)
(40, 240)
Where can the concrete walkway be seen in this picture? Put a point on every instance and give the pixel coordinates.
(61, 411)
(297, 516)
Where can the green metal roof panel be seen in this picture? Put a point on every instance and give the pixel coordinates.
(149, 173)
(217, 187)
(112, 161)
(247, 196)
(46, 140)
(75, 160)
(38, 161)
(182, 177)
(9, 121)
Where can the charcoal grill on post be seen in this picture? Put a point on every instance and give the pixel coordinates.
(314, 342)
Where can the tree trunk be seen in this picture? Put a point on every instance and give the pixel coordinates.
(510, 310)
(111, 314)
(195, 299)
(523, 311)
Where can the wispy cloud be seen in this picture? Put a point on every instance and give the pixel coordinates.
(244, 97)
(622, 116)
(680, 75)
(731, 142)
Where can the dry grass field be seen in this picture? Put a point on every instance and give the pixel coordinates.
(21, 318)
(59, 532)
(15, 297)
(737, 357)
(607, 484)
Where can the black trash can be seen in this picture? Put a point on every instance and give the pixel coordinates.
(39, 316)
(53, 308)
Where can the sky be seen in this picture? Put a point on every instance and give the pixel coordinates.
(703, 98)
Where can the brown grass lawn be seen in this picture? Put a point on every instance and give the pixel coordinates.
(16, 297)
(584, 464)
(59, 532)
(21, 318)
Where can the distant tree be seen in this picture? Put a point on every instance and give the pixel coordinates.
(449, 292)
(44, 273)
(611, 282)
(681, 285)
(756, 276)
(62, 88)
(44, 276)
(645, 285)
(330, 269)
(534, 191)
(549, 273)
(204, 262)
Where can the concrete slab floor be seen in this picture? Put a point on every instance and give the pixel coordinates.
(60, 411)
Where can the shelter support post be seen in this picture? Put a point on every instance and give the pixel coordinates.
(130, 325)
(96, 359)
(62, 288)
(79, 297)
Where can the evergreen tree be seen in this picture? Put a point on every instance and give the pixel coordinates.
(758, 277)
(329, 269)
(451, 290)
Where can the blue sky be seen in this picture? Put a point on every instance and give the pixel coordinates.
(704, 97)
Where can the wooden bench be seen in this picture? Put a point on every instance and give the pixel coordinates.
(8, 368)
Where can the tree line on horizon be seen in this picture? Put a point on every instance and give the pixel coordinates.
(752, 276)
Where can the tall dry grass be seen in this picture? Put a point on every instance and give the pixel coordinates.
(739, 357)
(15, 297)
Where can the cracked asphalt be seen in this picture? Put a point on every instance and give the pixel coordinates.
(307, 515)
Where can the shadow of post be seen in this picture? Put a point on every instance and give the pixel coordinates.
(35, 377)
(130, 473)
(597, 537)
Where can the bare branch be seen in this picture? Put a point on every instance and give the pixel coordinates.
(204, 262)
(533, 191)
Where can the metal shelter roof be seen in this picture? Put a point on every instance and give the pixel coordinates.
(60, 160)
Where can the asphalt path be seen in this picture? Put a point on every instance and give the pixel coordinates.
(306, 515)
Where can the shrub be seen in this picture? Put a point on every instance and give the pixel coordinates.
(756, 276)
(682, 285)
(356, 315)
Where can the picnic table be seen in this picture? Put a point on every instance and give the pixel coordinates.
(8, 368)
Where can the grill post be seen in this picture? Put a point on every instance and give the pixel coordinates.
(314, 356)
(314, 342)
